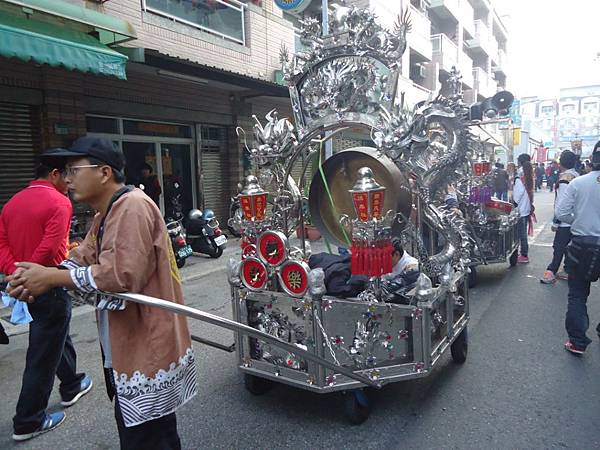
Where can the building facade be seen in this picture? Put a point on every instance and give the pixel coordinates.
(192, 71)
(569, 121)
(466, 34)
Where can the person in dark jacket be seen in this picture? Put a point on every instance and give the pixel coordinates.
(501, 182)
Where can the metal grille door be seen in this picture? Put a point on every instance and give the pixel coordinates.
(215, 171)
(19, 147)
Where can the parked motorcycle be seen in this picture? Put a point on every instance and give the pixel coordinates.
(174, 220)
(204, 234)
(178, 240)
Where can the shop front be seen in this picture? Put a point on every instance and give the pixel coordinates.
(180, 166)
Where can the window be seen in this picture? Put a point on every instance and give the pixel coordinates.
(222, 17)
(589, 107)
(547, 109)
(568, 108)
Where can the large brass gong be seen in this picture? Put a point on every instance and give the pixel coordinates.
(341, 172)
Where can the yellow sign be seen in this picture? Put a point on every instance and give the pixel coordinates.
(516, 136)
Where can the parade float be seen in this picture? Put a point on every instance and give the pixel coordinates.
(418, 184)
(359, 199)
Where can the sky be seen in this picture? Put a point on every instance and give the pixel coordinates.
(553, 44)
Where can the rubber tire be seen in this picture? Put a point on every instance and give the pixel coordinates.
(217, 253)
(472, 277)
(460, 347)
(256, 385)
(180, 262)
(513, 258)
(356, 406)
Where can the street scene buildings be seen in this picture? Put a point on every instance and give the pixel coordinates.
(189, 73)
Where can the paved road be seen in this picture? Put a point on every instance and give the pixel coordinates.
(518, 389)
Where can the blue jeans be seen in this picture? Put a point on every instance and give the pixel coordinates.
(561, 240)
(502, 195)
(522, 232)
(577, 321)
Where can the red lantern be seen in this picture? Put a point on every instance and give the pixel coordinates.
(368, 196)
(293, 277)
(272, 247)
(253, 200)
(253, 274)
(481, 167)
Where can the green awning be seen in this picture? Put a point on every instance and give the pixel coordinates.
(111, 30)
(45, 43)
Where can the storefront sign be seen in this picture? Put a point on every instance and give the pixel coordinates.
(293, 6)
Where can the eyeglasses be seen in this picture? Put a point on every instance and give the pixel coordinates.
(72, 171)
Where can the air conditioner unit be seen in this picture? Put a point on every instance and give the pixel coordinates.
(421, 71)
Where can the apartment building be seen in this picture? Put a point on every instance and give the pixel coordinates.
(569, 121)
(167, 80)
(466, 34)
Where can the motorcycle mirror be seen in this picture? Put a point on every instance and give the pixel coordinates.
(142, 187)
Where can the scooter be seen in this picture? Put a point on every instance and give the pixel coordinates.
(180, 246)
(204, 234)
(181, 249)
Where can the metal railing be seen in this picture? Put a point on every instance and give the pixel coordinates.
(247, 331)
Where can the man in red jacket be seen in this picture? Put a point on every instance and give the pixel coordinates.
(34, 227)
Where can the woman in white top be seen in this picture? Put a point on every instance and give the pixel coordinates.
(523, 197)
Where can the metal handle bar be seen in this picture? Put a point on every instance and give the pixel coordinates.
(246, 330)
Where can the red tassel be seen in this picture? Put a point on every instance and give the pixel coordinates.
(372, 260)
(359, 258)
(379, 259)
(354, 260)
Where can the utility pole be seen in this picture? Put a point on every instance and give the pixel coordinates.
(325, 28)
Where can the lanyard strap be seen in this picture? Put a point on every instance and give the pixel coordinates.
(116, 196)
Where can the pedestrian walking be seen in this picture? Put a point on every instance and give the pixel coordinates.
(539, 176)
(581, 209)
(562, 229)
(147, 353)
(523, 198)
(553, 175)
(34, 226)
(500, 181)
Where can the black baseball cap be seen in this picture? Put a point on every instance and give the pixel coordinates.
(101, 149)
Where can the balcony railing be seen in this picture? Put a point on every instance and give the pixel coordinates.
(448, 7)
(224, 18)
(445, 52)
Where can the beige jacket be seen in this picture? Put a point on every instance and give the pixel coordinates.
(153, 361)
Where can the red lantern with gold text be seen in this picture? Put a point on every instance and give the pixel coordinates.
(253, 200)
(367, 196)
(368, 256)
